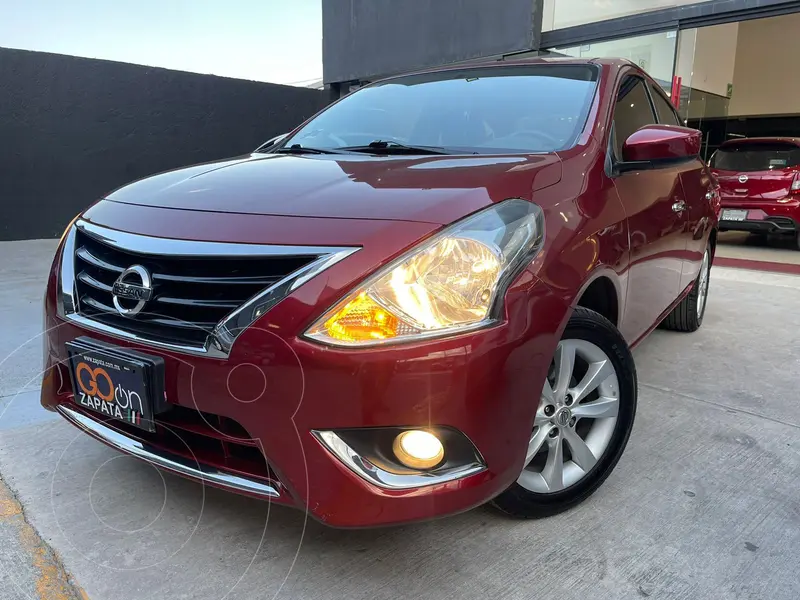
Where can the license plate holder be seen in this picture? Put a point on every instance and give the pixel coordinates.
(119, 383)
(732, 214)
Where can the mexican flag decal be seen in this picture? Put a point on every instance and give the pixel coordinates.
(133, 417)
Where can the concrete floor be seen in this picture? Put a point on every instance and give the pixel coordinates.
(704, 503)
(737, 244)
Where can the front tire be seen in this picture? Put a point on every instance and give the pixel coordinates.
(688, 315)
(583, 421)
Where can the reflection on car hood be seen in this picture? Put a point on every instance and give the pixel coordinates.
(435, 189)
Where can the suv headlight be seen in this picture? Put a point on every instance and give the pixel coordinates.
(451, 283)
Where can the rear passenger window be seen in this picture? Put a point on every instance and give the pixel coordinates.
(666, 115)
(632, 112)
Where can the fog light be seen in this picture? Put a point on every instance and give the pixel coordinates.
(418, 449)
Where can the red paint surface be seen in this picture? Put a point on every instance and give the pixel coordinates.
(485, 384)
(662, 142)
(675, 96)
(757, 265)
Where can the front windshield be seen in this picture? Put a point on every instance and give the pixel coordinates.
(530, 108)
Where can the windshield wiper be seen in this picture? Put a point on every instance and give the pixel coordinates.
(387, 147)
(298, 149)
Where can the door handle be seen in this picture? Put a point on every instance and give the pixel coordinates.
(679, 206)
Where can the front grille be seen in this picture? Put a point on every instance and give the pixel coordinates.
(191, 294)
(200, 437)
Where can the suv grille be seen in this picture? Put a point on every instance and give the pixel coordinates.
(191, 295)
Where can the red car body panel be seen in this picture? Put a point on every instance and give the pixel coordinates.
(662, 142)
(767, 196)
(621, 230)
(395, 188)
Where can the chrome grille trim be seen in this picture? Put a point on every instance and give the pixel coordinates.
(167, 460)
(392, 481)
(219, 342)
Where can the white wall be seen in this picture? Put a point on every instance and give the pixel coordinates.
(715, 58)
(687, 39)
(765, 80)
(568, 13)
(707, 57)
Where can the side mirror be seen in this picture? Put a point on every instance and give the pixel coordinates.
(655, 145)
(270, 143)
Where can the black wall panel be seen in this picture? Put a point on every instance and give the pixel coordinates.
(73, 129)
(362, 39)
(718, 130)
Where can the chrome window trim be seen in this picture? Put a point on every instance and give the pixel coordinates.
(167, 460)
(384, 479)
(220, 341)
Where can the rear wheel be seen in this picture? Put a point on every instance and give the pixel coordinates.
(688, 315)
(583, 420)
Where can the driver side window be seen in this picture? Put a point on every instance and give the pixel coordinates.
(632, 112)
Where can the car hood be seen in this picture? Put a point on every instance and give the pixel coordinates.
(432, 189)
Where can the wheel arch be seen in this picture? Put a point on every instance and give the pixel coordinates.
(712, 243)
(602, 293)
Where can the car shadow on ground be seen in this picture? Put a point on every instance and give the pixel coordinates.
(286, 526)
(282, 546)
(781, 242)
(753, 240)
(129, 504)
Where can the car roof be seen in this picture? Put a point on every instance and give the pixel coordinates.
(617, 63)
(761, 140)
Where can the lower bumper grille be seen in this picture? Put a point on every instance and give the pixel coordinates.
(198, 438)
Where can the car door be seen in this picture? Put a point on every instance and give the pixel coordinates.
(696, 182)
(653, 201)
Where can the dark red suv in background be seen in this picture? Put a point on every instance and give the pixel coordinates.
(759, 182)
(421, 300)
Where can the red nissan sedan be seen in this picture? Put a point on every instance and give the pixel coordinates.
(759, 182)
(421, 300)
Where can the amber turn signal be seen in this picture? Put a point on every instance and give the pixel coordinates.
(361, 319)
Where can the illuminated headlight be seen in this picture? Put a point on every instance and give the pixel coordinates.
(450, 283)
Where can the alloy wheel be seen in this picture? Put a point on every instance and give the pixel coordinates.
(575, 419)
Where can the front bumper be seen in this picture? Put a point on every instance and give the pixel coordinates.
(164, 459)
(279, 389)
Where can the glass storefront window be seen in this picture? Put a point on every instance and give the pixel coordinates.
(569, 13)
(655, 53)
(706, 63)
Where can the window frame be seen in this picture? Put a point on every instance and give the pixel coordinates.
(624, 76)
(655, 89)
